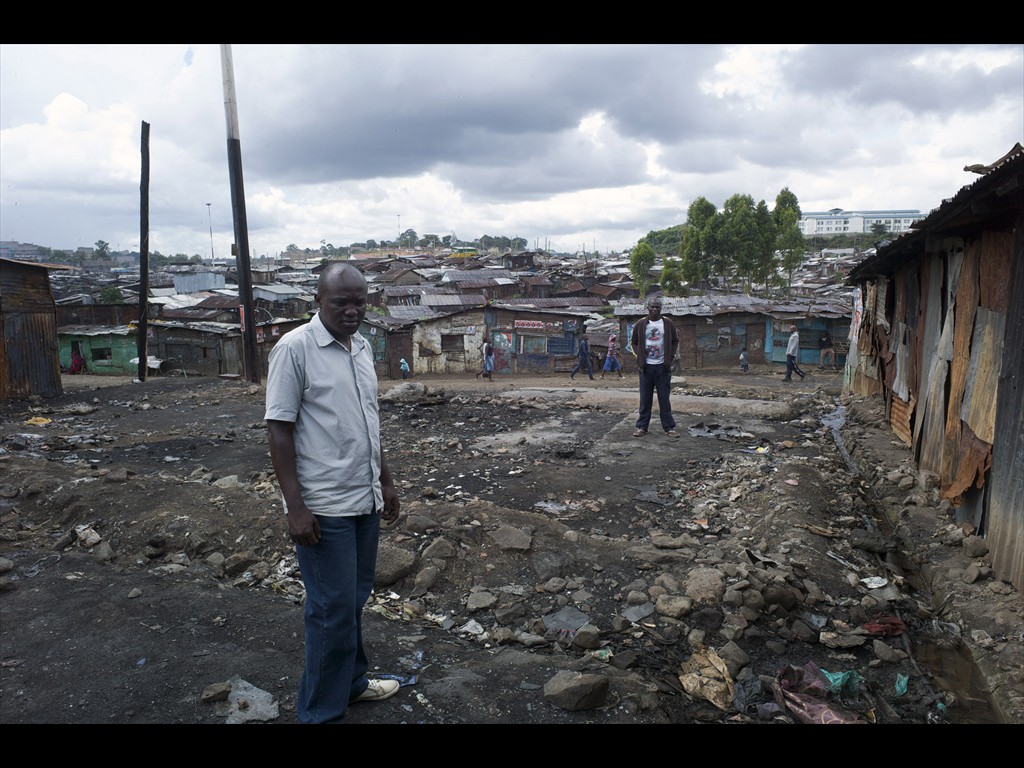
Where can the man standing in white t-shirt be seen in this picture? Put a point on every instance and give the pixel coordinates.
(654, 341)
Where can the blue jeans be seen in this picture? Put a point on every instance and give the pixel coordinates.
(655, 378)
(338, 575)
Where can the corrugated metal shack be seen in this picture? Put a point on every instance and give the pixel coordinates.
(939, 334)
(714, 328)
(29, 362)
(107, 349)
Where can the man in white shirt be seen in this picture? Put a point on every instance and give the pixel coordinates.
(792, 350)
(654, 341)
(324, 431)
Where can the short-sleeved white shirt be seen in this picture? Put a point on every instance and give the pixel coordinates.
(330, 394)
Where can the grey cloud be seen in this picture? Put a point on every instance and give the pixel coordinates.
(871, 75)
(506, 106)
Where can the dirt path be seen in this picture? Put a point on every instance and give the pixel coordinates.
(526, 505)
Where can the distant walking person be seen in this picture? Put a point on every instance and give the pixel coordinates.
(611, 359)
(792, 350)
(404, 366)
(583, 354)
(827, 348)
(744, 360)
(654, 342)
(487, 371)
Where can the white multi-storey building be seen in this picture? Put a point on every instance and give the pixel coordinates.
(838, 221)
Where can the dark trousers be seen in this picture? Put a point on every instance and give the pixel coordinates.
(584, 362)
(792, 366)
(655, 378)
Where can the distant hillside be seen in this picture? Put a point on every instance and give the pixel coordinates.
(665, 242)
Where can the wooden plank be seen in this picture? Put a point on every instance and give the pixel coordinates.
(982, 391)
(899, 418)
(973, 462)
(994, 282)
(932, 418)
(963, 326)
(929, 331)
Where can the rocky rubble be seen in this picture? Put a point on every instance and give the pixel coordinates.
(727, 588)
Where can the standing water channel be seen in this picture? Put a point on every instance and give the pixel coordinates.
(944, 655)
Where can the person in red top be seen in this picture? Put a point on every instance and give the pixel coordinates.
(77, 362)
(611, 359)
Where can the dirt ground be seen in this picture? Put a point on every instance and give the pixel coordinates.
(149, 561)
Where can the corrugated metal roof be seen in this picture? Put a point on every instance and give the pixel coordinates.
(451, 300)
(411, 313)
(96, 330)
(712, 305)
(554, 302)
(64, 267)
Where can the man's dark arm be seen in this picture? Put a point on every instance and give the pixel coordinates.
(387, 487)
(302, 524)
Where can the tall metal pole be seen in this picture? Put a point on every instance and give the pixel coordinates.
(210, 217)
(241, 247)
(143, 327)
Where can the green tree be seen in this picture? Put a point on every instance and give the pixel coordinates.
(102, 249)
(878, 228)
(641, 262)
(665, 241)
(765, 262)
(785, 201)
(673, 282)
(791, 245)
(111, 294)
(739, 237)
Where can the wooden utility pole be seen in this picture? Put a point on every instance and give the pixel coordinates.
(251, 359)
(140, 339)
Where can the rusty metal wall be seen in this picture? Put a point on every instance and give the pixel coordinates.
(29, 361)
(1006, 493)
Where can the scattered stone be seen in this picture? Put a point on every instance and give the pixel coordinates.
(509, 538)
(575, 691)
(673, 606)
(975, 546)
(393, 564)
(705, 585)
(887, 653)
(588, 637)
(216, 692)
(479, 601)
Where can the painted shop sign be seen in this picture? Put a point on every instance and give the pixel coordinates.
(540, 325)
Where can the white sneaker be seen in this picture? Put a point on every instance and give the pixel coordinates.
(378, 690)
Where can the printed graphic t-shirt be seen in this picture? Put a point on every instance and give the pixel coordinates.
(654, 342)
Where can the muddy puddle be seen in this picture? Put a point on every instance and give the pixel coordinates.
(954, 672)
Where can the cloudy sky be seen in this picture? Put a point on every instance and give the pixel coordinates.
(569, 147)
